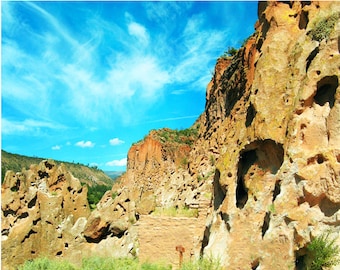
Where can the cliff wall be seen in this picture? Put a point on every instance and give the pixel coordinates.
(273, 116)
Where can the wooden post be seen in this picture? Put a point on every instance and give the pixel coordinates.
(181, 250)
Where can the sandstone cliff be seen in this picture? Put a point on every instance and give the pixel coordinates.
(261, 164)
(273, 112)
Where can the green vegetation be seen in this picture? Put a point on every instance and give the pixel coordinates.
(95, 193)
(89, 175)
(44, 264)
(202, 264)
(323, 28)
(322, 253)
(230, 52)
(184, 136)
(203, 178)
(97, 263)
(212, 160)
(175, 212)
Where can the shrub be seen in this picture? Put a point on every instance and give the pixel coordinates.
(230, 52)
(322, 252)
(323, 27)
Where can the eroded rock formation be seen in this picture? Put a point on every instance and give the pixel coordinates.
(276, 124)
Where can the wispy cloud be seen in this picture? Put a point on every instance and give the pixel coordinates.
(117, 162)
(116, 141)
(139, 32)
(172, 119)
(34, 127)
(98, 82)
(85, 144)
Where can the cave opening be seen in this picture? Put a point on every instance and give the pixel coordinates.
(246, 160)
(326, 89)
(258, 158)
(219, 192)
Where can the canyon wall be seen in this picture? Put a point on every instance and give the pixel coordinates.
(273, 113)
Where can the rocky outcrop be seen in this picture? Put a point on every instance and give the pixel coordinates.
(42, 210)
(45, 212)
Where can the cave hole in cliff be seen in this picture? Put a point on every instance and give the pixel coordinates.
(48, 165)
(28, 235)
(303, 20)
(205, 241)
(43, 174)
(23, 215)
(9, 212)
(226, 219)
(328, 207)
(326, 89)
(32, 202)
(247, 159)
(16, 187)
(300, 256)
(265, 225)
(251, 113)
(311, 56)
(277, 190)
(219, 192)
(35, 222)
(258, 157)
(255, 264)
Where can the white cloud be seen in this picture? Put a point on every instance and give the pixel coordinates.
(117, 162)
(56, 147)
(139, 32)
(83, 144)
(116, 141)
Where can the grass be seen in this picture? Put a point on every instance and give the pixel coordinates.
(322, 253)
(175, 212)
(98, 263)
(202, 264)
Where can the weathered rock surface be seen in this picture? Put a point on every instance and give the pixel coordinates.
(38, 207)
(45, 212)
(274, 116)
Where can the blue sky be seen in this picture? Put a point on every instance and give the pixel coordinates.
(82, 81)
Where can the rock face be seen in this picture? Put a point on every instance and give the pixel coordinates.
(42, 209)
(45, 212)
(274, 117)
(262, 163)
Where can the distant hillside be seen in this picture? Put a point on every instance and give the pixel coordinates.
(114, 174)
(89, 175)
